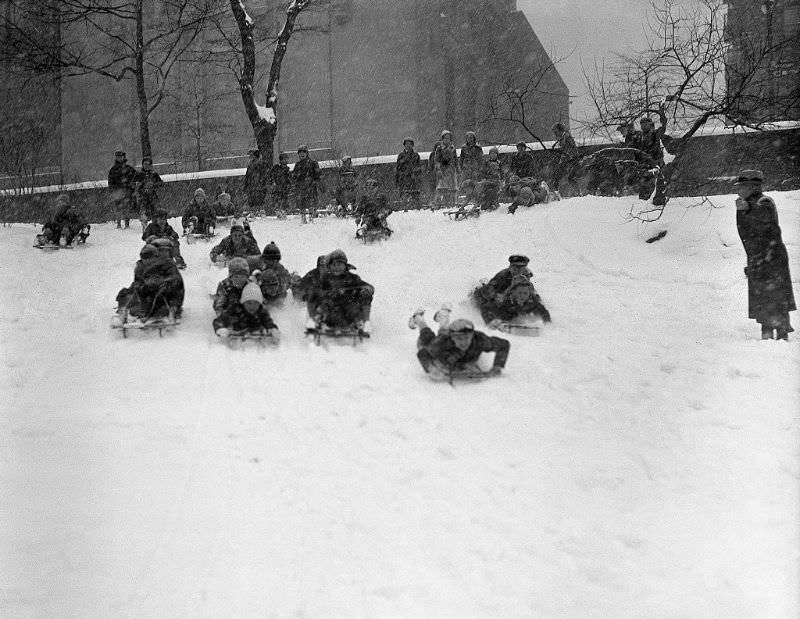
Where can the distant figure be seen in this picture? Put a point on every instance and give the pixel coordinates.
(406, 175)
(121, 185)
(307, 181)
(471, 162)
(769, 285)
(280, 179)
(347, 185)
(198, 216)
(522, 162)
(445, 165)
(148, 183)
(568, 156)
(66, 225)
(255, 181)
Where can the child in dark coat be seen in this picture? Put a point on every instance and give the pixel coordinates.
(247, 316)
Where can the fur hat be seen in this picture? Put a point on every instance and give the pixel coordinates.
(251, 292)
(518, 259)
(238, 266)
(271, 251)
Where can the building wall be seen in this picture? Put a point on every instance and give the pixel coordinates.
(356, 79)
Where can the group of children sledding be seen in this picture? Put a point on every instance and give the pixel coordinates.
(337, 300)
(66, 228)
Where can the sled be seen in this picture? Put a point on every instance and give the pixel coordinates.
(526, 329)
(193, 237)
(160, 324)
(52, 246)
(463, 213)
(467, 375)
(239, 340)
(320, 332)
(370, 236)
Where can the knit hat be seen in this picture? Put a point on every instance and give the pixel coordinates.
(148, 251)
(199, 192)
(271, 251)
(251, 292)
(446, 132)
(461, 325)
(238, 266)
(518, 259)
(750, 177)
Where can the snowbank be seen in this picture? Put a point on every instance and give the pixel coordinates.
(640, 458)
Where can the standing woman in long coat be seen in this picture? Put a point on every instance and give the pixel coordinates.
(769, 285)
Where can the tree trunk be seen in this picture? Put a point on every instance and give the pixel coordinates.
(141, 92)
(264, 120)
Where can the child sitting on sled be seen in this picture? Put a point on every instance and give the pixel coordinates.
(157, 290)
(246, 316)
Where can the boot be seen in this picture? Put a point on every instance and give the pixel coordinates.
(443, 315)
(417, 318)
(767, 332)
(781, 334)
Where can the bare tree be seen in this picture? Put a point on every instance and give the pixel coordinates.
(116, 39)
(694, 70)
(263, 118)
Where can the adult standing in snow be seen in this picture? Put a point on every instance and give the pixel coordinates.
(471, 158)
(769, 285)
(568, 156)
(445, 164)
(255, 181)
(306, 177)
(148, 182)
(406, 174)
(121, 184)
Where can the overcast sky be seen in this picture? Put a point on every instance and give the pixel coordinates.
(593, 29)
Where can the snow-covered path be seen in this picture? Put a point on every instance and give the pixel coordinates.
(640, 458)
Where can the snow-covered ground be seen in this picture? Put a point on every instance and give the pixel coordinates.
(639, 459)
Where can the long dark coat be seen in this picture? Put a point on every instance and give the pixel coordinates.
(769, 284)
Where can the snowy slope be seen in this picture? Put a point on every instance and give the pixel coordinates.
(639, 459)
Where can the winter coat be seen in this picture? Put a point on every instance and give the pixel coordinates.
(281, 180)
(67, 221)
(306, 176)
(566, 144)
(407, 171)
(148, 182)
(522, 164)
(227, 248)
(650, 143)
(308, 285)
(374, 210)
(507, 310)
(238, 319)
(284, 277)
(769, 284)
(501, 282)
(347, 289)
(441, 349)
(227, 295)
(471, 161)
(122, 177)
(153, 229)
(445, 162)
(206, 217)
(348, 178)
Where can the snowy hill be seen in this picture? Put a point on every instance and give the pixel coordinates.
(639, 459)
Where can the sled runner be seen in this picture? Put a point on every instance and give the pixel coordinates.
(514, 328)
(192, 237)
(464, 213)
(467, 375)
(239, 339)
(320, 332)
(126, 322)
(51, 246)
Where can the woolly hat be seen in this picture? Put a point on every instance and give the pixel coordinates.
(750, 177)
(271, 251)
(224, 197)
(470, 134)
(251, 292)
(461, 325)
(238, 266)
(199, 192)
(446, 132)
(337, 255)
(148, 251)
(270, 278)
(518, 259)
